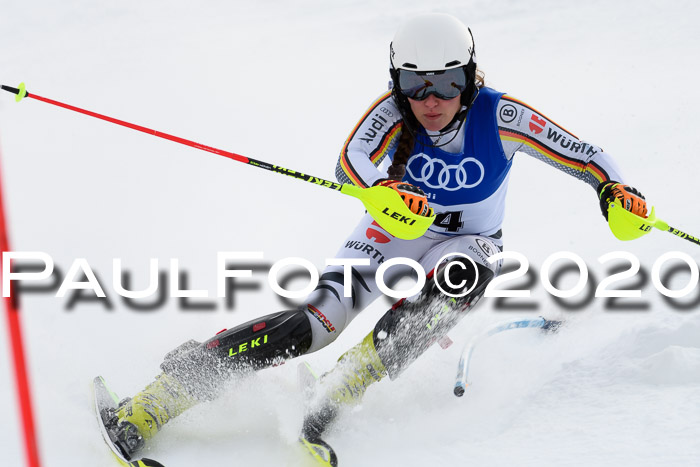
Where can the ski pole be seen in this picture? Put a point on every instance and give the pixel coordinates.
(384, 204)
(629, 226)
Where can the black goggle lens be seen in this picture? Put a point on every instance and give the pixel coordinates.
(446, 84)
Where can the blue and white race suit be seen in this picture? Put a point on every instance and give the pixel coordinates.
(465, 181)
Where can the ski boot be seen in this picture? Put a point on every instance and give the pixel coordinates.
(345, 385)
(398, 338)
(138, 418)
(124, 435)
(196, 372)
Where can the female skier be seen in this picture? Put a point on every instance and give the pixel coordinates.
(450, 142)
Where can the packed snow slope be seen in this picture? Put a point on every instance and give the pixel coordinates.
(285, 82)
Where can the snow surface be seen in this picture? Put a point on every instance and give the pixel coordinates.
(285, 82)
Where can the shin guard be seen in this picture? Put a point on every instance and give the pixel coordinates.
(410, 327)
(260, 343)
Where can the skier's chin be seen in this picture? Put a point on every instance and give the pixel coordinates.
(434, 123)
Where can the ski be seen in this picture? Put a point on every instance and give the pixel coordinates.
(104, 401)
(320, 451)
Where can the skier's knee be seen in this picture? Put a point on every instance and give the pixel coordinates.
(328, 312)
(458, 277)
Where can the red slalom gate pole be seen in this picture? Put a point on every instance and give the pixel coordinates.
(14, 329)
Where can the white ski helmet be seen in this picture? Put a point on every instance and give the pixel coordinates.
(433, 42)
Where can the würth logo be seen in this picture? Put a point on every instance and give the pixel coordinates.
(537, 124)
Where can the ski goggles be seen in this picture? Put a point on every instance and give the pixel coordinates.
(444, 84)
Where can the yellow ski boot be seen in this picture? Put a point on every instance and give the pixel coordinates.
(356, 370)
(138, 418)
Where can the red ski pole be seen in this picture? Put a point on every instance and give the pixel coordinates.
(384, 204)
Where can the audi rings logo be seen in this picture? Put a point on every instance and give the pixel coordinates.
(435, 173)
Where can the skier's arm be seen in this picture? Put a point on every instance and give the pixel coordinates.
(374, 137)
(524, 129)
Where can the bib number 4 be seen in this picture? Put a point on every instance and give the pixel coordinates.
(450, 221)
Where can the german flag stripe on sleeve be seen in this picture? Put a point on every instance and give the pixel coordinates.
(592, 168)
(597, 171)
(344, 159)
(350, 172)
(388, 138)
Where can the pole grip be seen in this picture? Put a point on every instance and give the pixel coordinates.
(20, 92)
(10, 89)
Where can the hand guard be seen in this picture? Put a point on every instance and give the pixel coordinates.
(629, 198)
(412, 195)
